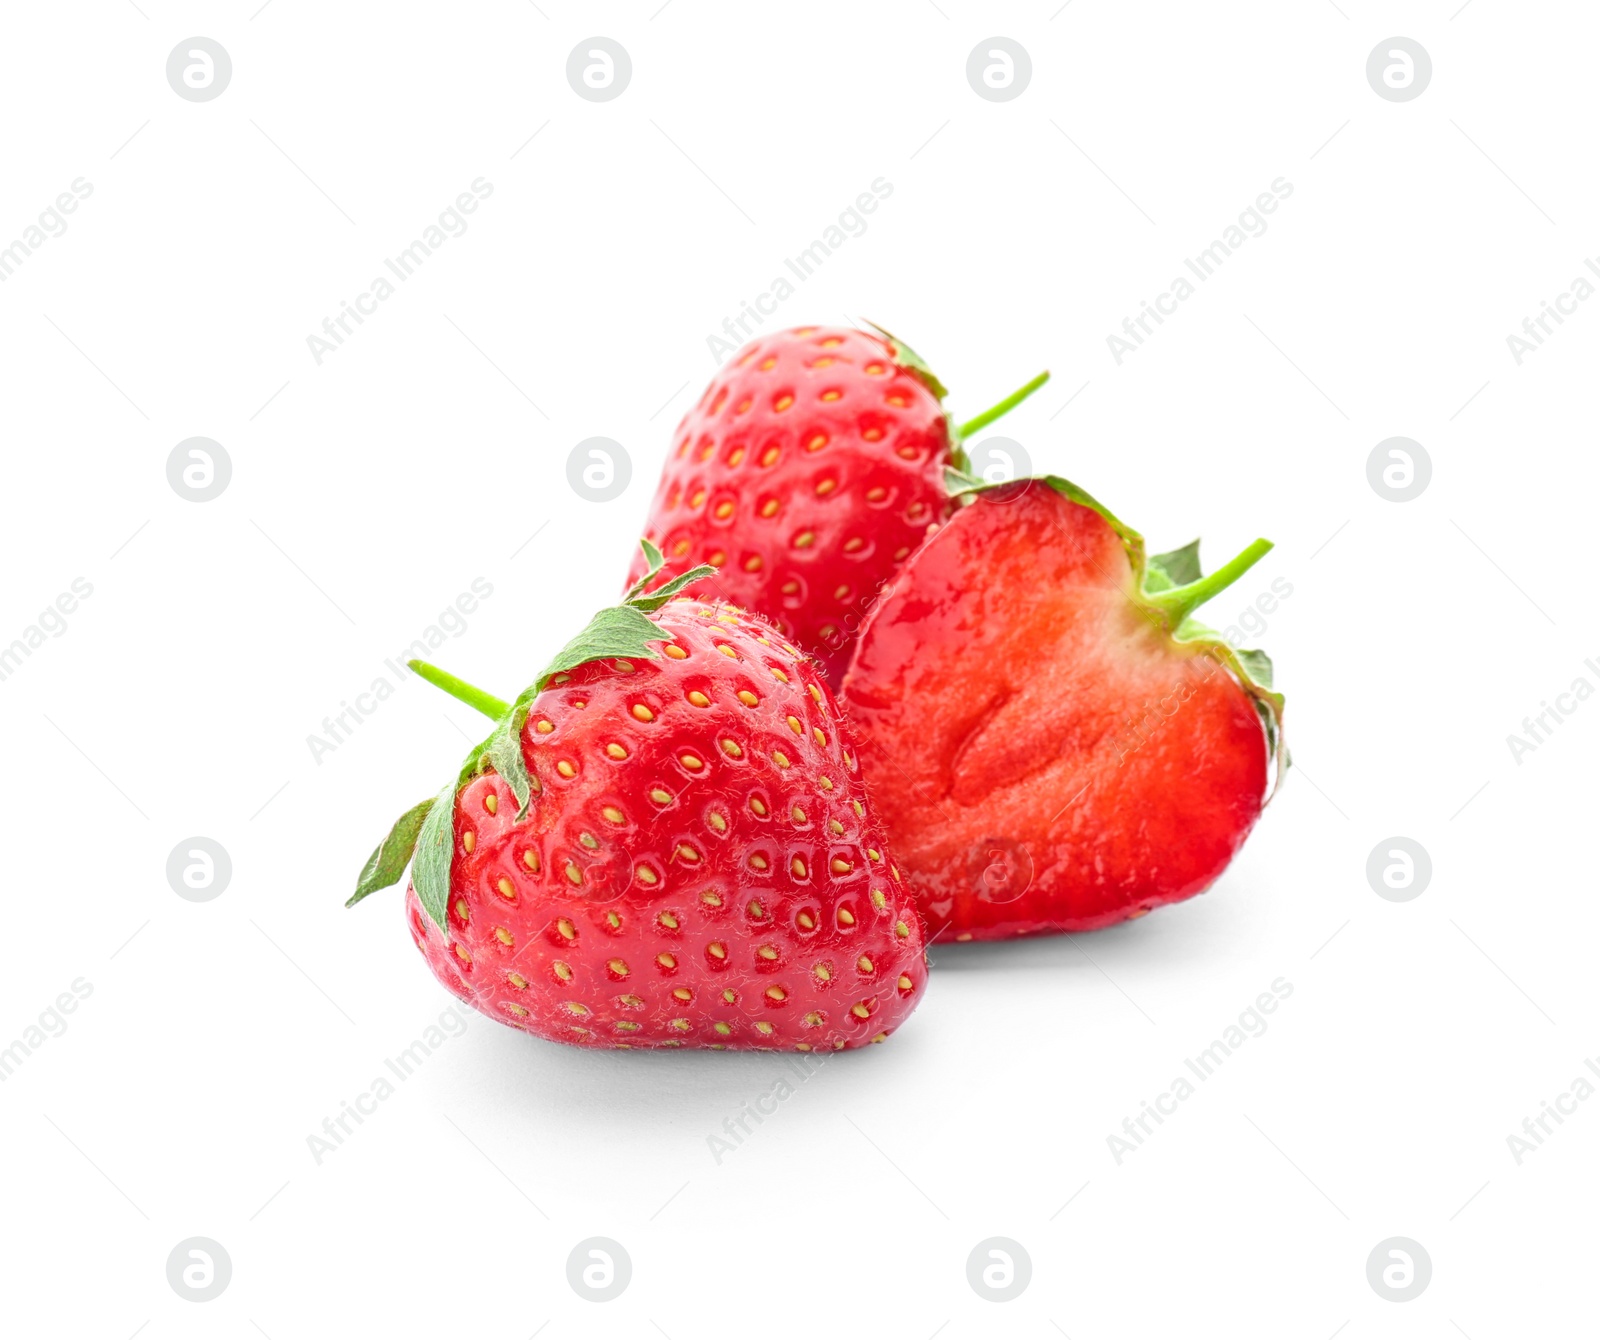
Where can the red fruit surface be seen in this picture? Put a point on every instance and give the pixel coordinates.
(807, 472)
(1046, 756)
(698, 866)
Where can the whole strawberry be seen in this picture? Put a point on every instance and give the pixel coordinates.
(806, 473)
(665, 843)
(1054, 743)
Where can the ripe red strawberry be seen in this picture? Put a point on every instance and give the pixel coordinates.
(665, 843)
(808, 470)
(1054, 744)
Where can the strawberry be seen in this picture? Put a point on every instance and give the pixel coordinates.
(808, 470)
(665, 842)
(1054, 743)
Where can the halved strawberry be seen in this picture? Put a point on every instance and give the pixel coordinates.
(807, 471)
(666, 842)
(1054, 744)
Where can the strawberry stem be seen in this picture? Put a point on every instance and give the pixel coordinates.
(989, 415)
(470, 694)
(1178, 602)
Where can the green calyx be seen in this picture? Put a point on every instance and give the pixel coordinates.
(914, 363)
(911, 360)
(424, 836)
(1170, 587)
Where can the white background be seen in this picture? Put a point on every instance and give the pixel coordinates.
(369, 491)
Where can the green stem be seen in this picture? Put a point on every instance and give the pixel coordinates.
(989, 415)
(1177, 602)
(470, 694)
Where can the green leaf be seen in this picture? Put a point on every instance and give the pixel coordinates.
(617, 630)
(958, 482)
(1176, 568)
(912, 362)
(503, 749)
(663, 593)
(391, 856)
(430, 869)
(407, 838)
(1258, 665)
(654, 563)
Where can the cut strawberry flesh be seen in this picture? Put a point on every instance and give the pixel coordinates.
(1045, 755)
